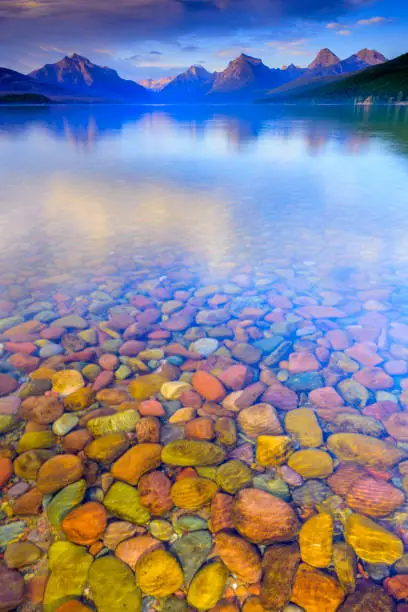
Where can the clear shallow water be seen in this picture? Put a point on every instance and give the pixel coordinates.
(326, 184)
(279, 237)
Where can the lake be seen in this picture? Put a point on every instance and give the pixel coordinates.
(204, 339)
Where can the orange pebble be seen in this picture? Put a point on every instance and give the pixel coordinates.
(34, 589)
(188, 472)
(379, 475)
(254, 589)
(96, 548)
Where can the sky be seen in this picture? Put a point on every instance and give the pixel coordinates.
(158, 38)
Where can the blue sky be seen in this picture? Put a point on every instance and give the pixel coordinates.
(156, 38)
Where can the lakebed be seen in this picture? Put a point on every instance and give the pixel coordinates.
(204, 362)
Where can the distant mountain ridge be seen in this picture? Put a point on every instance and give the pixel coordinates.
(189, 86)
(79, 74)
(15, 84)
(155, 84)
(245, 79)
(382, 82)
(325, 69)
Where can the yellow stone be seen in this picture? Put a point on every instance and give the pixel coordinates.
(233, 476)
(316, 591)
(187, 453)
(207, 586)
(42, 374)
(182, 415)
(67, 381)
(69, 565)
(113, 586)
(311, 463)
(207, 472)
(364, 450)
(144, 387)
(36, 440)
(345, 564)
(120, 421)
(316, 540)
(303, 425)
(79, 400)
(193, 493)
(149, 354)
(371, 542)
(273, 450)
(107, 448)
(158, 574)
(136, 365)
(173, 389)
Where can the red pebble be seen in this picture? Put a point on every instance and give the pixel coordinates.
(6, 470)
(103, 380)
(27, 348)
(151, 408)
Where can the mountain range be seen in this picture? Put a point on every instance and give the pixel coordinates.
(380, 83)
(246, 79)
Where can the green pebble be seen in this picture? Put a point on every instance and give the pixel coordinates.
(113, 586)
(276, 486)
(10, 322)
(123, 501)
(35, 388)
(123, 372)
(64, 424)
(91, 371)
(175, 360)
(64, 501)
(120, 421)
(11, 532)
(69, 565)
(36, 440)
(162, 530)
(111, 346)
(7, 422)
(192, 550)
(189, 522)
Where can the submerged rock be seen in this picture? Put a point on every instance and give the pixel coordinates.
(276, 588)
(262, 518)
(158, 574)
(315, 591)
(113, 586)
(69, 566)
(191, 453)
(123, 501)
(192, 550)
(371, 542)
(207, 586)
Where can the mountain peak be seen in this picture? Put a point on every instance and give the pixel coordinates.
(371, 57)
(79, 74)
(247, 59)
(198, 71)
(324, 59)
(78, 58)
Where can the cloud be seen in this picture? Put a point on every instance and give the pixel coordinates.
(294, 48)
(155, 53)
(344, 32)
(124, 20)
(373, 21)
(233, 51)
(51, 49)
(287, 44)
(190, 48)
(104, 51)
(334, 25)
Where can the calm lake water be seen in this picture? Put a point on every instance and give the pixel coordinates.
(218, 183)
(223, 292)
